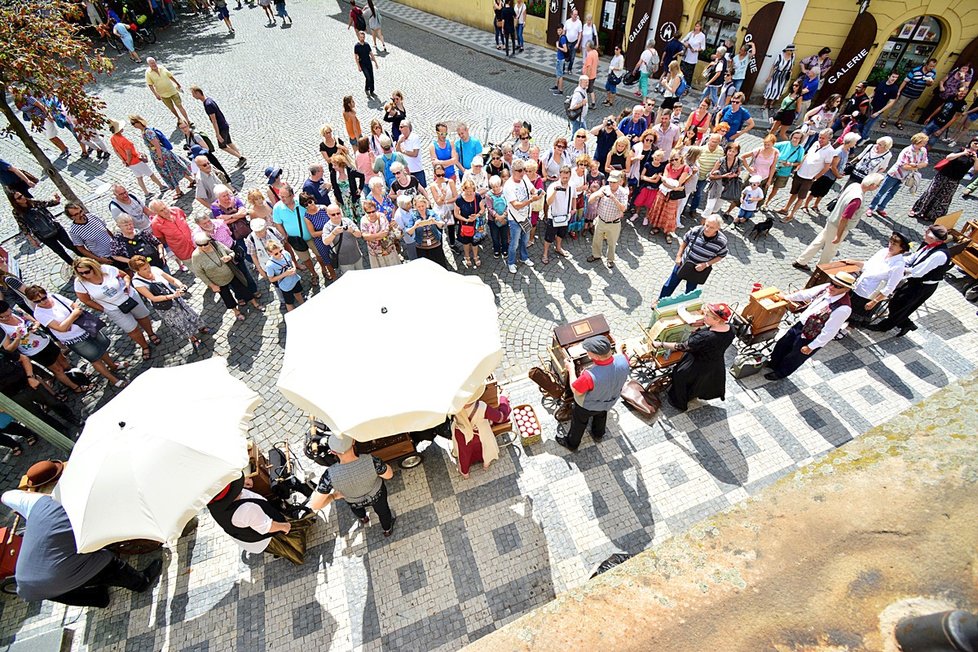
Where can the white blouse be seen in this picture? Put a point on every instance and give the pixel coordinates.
(880, 270)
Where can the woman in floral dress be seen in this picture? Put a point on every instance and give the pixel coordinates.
(345, 189)
(171, 168)
(376, 230)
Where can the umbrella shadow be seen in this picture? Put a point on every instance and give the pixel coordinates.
(242, 343)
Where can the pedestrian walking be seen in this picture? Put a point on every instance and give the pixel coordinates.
(40, 226)
(508, 15)
(701, 249)
(911, 88)
(219, 123)
(165, 88)
(851, 206)
(357, 480)
(934, 202)
(374, 25)
(172, 169)
(596, 390)
(366, 62)
(131, 158)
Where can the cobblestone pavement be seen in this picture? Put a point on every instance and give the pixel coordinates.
(469, 555)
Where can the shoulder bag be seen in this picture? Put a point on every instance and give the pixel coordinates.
(157, 289)
(297, 242)
(86, 321)
(334, 252)
(125, 306)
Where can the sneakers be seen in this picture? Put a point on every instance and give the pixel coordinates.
(527, 262)
(557, 92)
(512, 269)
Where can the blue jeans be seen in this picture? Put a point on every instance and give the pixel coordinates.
(868, 127)
(560, 68)
(673, 282)
(931, 127)
(737, 83)
(694, 201)
(578, 124)
(517, 241)
(519, 35)
(887, 190)
(712, 92)
(421, 178)
(499, 235)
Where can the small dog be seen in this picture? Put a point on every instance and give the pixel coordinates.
(761, 229)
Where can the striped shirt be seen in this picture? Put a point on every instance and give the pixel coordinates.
(707, 160)
(93, 235)
(701, 249)
(916, 82)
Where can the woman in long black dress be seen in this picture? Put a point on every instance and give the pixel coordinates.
(702, 372)
(933, 203)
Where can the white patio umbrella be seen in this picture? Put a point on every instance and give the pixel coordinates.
(152, 457)
(390, 350)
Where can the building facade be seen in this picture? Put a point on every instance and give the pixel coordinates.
(868, 38)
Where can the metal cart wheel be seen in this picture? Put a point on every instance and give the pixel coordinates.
(410, 461)
(9, 586)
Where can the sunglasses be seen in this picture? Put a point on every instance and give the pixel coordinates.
(84, 271)
(40, 297)
(559, 146)
(580, 136)
(439, 176)
(735, 101)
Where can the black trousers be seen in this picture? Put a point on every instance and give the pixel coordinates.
(787, 355)
(380, 506)
(904, 303)
(14, 428)
(368, 77)
(241, 291)
(579, 421)
(59, 243)
(41, 403)
(509, 37)
(96, 592)
(213, 160)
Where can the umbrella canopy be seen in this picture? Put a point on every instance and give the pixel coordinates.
(152, 457)
(390, 350)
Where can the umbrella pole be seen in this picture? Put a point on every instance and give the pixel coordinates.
(43, 430)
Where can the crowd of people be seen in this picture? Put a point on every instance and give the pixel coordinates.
(385, 196)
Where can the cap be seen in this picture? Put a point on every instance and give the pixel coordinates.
(843, 279)
(598, 345)
(614, 177)
(201, 238)
(756, 178)
(476, 160)
(257, 224)
(339, 443)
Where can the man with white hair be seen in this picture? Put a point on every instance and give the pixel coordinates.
(388, 157)
(817, 161)
(410, 146)
(208, 178)
(166, 88)
(170, 227)
(840, 222)
(578, 101)
(124, 202)
(610, 204)
(702, 247)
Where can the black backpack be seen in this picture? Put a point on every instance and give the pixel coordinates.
(359, 21)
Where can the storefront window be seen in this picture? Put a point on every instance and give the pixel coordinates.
(910, 45)
(536, 8)
(721, 20)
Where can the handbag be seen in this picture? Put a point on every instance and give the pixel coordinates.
(677, 194)
(240, 229)
(157, 289)
(613, 79)
(297, 241)
(128, 305)
(942, 164)
(688, 272)
(467, 230)
(636, 396)
(86, 321)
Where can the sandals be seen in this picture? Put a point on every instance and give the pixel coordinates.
(155, 339)
(82, 389)
(668, 239)
(546, 260)
(146, 354)
(564, 253)
(478, 262)
(119, 384)
(239, 317)
(899, 126)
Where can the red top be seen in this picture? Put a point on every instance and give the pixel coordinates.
(585, 382)
(175, 233)
(125, 149)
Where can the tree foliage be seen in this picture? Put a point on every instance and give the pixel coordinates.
(43, 54)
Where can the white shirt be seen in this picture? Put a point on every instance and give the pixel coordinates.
(572, 30)
(819, 300)
(931, 263)
(648, 61)
(412, 143)
(111, 291)
(21, 502)
(58, 312)
(693, 41)
(515, 191)
(589, 34)
(252, 516)
(750, 198)
(816, 159)
(880, 270)
(617, 64)
(579, 100)
(563, 205)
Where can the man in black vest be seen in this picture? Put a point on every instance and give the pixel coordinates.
(828, 309)
(923, 271)
(252, 521)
